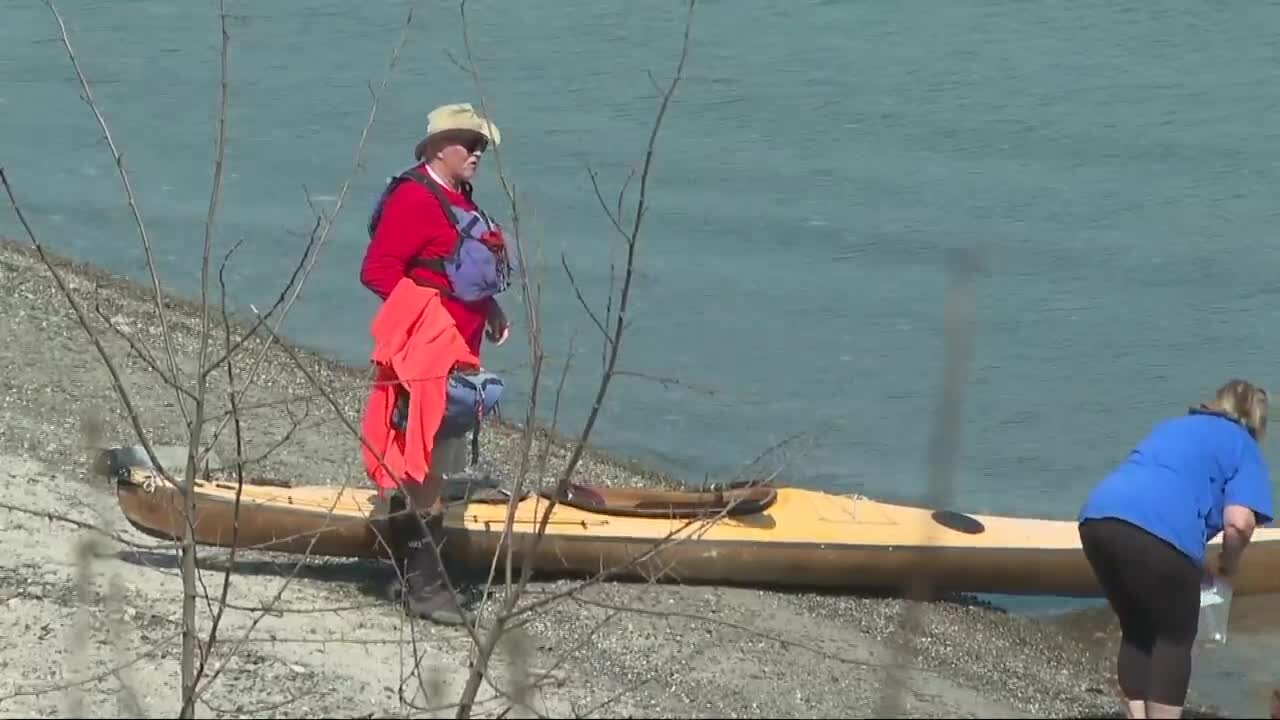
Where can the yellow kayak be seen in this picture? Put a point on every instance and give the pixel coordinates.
(748, 535)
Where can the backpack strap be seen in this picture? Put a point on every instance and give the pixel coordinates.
(436, 264)
(475, 444)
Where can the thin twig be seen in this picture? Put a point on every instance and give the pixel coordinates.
(328, 222)
(58, 517)
(133, 206)
(665, 381)
(944, 448)
(484, 652)
(746, 629)
(257, 710)
(239, 467)
(351, 427)
(46, 689)
(625, 296)
(518, 490)
(532, 290)
(577, 291)
(139, 349)
(195, 456)
(261, 319)
(282, 611)
(83, 318)
(129, 704)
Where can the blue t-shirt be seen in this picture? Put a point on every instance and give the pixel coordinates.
(1177, 481)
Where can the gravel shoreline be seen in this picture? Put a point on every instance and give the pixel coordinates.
(58, 405)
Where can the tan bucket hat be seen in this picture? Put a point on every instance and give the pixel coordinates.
(461, 116)
(458, 116)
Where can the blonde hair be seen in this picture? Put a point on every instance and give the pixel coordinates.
(1243, 402)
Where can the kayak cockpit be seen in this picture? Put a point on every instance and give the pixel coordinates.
(731, 502)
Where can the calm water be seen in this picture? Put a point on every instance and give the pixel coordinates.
(1113, 163)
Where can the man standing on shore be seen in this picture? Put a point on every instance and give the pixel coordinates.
(437, 261)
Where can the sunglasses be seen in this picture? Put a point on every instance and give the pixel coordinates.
(475, 147)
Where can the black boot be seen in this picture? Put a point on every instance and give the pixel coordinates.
(428, 596)
(397, 539)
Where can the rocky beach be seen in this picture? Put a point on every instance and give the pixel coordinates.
(93, 607)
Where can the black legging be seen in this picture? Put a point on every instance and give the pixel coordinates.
(1155, 592)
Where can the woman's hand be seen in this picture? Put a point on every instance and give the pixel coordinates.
(496, 326)
(1238, 525)
(1208, 574)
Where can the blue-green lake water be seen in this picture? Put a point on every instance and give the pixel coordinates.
(1114, 166)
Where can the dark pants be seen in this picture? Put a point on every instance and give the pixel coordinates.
(1155, 592)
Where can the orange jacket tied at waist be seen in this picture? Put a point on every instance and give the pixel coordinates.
(415, 345)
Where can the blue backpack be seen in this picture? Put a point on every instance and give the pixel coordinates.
(478, 267)
(470, 396)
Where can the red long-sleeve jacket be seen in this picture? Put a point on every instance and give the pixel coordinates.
(412, 225)
(413, 346)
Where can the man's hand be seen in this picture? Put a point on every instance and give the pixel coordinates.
(497, 329)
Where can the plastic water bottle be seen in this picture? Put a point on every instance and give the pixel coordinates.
(1215, 611)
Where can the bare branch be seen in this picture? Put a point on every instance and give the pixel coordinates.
(633, 238)
(282, 611)
(327, 223)
(58, 517)
(745, 629)
(665, 381)
(486, 650)
(518, 489)
(133, 206)
(260, 320)
(532, 290)
(625, 295)
(83, 318)
(573, 282)
(615, 219)
(587, 637)
(622, 193)
(608, 305)
(239, 439)
(654, 82)
(284, 292)
(235, 649)
(296, 424)
(140, 350)
(456, 62)
(130, 703)
(46, 689)
(78, 640)
(190, 672)
(944, 449)
(256, 710)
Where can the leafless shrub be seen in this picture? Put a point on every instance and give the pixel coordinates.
(206, 655)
